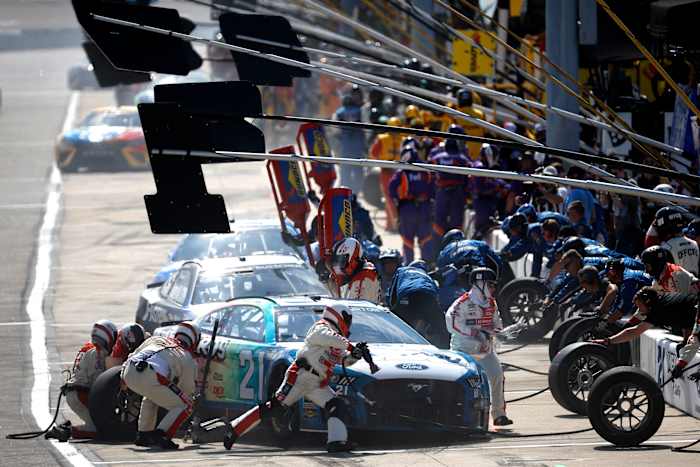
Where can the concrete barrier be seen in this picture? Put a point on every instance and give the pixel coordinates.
(657, 357)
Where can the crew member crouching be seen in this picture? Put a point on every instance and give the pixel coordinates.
(163, 371)
(326, 345)
(473, 321)
(356, 278)
(89, 364)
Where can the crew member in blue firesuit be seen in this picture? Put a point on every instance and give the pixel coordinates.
(413, 296)
(628, 284)
(484, 192)
(534, 216)
(450, 192)
(413, 193)
(456, 250)
(536, 238)
(577, 216)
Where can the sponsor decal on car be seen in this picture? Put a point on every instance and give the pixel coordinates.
(412, 366)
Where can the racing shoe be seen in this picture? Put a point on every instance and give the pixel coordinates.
(144, 439)
(163, 441)
(230, 437)
(60, 433)
(502, 421)
(340, 446)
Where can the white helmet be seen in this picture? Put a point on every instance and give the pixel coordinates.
(664, 188)
(104, 334)
(488, 153)
(346, 256)
(340, 316)
(132, 335)
(187, 333)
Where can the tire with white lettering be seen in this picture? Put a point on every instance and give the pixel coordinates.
(626, 406)
(574, 370)
(115, 412)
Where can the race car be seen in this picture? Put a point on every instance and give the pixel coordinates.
(197, 286)
(247, 238)
(108, 138)
(418, 386)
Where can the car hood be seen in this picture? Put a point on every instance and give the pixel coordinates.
(94, 134)
(412, 361)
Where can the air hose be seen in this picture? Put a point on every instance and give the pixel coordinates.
(36, 434)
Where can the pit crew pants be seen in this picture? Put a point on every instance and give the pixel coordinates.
(158, 391)
(492, 366)
(77, 400)
(449, 209)
(414, 222)
(298, 383)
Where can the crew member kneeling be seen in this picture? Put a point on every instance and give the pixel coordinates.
(325, 346)
(473, 322)
(163, 371)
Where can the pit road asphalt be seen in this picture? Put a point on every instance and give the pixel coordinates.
(105, 253)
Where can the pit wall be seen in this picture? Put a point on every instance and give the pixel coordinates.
(657, 358)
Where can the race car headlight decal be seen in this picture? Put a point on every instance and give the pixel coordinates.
(474, 381)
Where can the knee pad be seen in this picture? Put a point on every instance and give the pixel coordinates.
(337, 408)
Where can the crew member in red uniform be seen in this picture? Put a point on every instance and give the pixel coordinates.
(356, 277)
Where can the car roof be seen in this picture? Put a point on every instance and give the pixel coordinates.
(246, 262)
(299, 303)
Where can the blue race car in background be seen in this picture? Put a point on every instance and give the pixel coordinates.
(418, 386)
(108, 138)
(247, 238)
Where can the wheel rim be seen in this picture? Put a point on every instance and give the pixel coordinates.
(625, 407)
(583, 373)
(523, 306)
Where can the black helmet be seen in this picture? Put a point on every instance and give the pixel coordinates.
(390, 254)
(451, 236)
(588, 274)
(669, 220)
(615, 264)
(420, 264)
(454, 145)
(518, 220)
(647, 295)
(412, 64)
(482, 274)
(464, 98)
(573, 243)
(655, 259)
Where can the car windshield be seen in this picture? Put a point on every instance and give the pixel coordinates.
(112, 119)
(376, 326)
(243, 243)
(249, 242)
(258, 282)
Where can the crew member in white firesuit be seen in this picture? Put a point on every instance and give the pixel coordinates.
(668, 226)
(473, 322)
(668, 277)
(163, 371)
(356, 278)
(326, 345)
(89, 364)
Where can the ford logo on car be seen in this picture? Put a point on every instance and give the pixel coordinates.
(411, 366)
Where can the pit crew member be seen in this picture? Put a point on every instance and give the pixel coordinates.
(355, 277)
(473, 322)
(163, 371)
(668, 277)
(326, 345)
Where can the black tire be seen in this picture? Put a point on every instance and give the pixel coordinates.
(283, 428)
(372, 190)
(626, 406)
(573, 372)
(521, 297)
(112, 419)
(585, 330)
(555, 342)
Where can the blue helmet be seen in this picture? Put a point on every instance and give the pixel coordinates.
(409, 154)
(451, 236)
(455, 145)
(516, 221)
(420, 264)
(529, 211)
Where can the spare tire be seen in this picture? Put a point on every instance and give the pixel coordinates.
(555, 342)
(585, 329)
(523, 298)
(573, 372)
(626, 406)
(114, 412)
